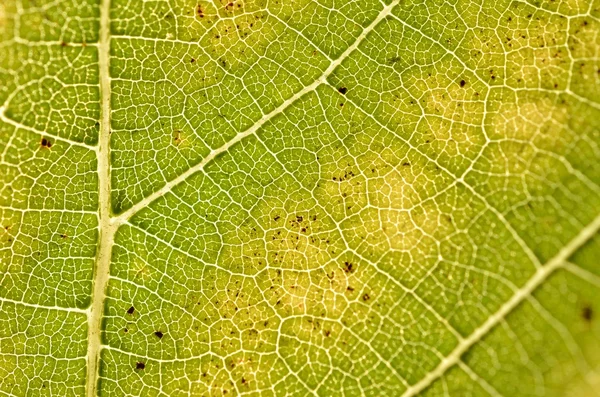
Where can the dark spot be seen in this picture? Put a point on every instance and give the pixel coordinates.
(125, 330)
(463, 83)
(349, 289)
(343, 90)
(366, 297)
(63, 44)
(97, 124)
(140, 365)
(199, 11)
(348, 267)
(243, 381)
(130, 310)
(406, 164)
(46, 143)
(192, 60)
(327, 333)
(158, 334)
(393, 60)
(63, 236)
(587, 313)
(276, 218)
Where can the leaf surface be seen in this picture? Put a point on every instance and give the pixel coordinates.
(317, 197)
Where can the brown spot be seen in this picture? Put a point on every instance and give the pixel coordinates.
(177, 139)
(327, 333)
(63, 44)
(63, 236)
(463, 83)
(46, 143)
(366, 297)
(158, 334)
(348, 267)
(243, 381)
(349, 289)
(125, 330)
(587, 313)
(131, 310)
(343, 90)
(192, 60)
(140, 365)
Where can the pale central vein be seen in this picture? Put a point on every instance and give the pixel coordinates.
(107, 229)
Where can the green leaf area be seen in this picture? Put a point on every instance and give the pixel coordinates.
(300, 198)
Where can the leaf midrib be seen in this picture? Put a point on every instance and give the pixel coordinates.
(107, 228)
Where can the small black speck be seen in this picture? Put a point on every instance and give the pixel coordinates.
(587, 313)
(463, 83)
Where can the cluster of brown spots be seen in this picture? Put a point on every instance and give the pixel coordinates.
(349, 267)
(231, 6)
(46, 143)
(347, 175)
(366, 297)
(199, 11)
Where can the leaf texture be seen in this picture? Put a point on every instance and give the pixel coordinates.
(299, 198)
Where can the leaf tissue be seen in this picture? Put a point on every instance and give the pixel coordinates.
(300, 198)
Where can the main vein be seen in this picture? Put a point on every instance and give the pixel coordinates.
(107, 229)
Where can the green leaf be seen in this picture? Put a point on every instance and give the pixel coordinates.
(311, 197)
